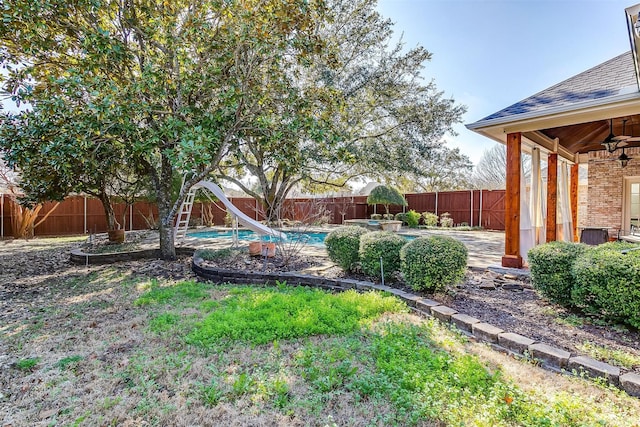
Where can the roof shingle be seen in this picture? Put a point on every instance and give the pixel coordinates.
(601, 81)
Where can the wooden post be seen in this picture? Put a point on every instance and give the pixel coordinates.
(574, 200)
(512, 256)
(552, 195)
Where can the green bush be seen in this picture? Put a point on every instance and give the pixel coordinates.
(550, 266)
(343, 245)
(388, 217)
(446, 220)
(380, 244)
(432, 263)
(607, 283)
(412, 218)
(430, 219)
(401, 216)
(376, 216)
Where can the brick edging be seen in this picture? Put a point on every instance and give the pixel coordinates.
(550, 357)
(77, 256)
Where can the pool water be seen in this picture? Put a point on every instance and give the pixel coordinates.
(316, 239)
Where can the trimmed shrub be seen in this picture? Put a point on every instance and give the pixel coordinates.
(412, 218)
(401, 216)
(430, 219)
(432, 263)
(343, 245)
(607, 283)
(446, 220)
(376, 216)
(377, 244)
(388, 217)
(550, 266)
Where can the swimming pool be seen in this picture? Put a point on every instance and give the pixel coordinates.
(316, 239)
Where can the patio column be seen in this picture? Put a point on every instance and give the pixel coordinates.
(552, 195)
(573, 197)
(512, 256)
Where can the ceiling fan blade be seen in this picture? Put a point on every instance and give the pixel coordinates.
(633, 139)
(620, 138)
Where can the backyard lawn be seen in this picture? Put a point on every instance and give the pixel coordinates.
(144, 343)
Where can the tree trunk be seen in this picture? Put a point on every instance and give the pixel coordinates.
(165, 212)
(110, 215)
(165, 228)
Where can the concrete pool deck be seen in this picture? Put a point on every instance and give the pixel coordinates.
(485, 247)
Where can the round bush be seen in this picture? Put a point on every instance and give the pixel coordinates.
(343, 245)
(432, 263)
(377, 244)
(607, 283)
(550, 266)
(430, 219)
(412, 218)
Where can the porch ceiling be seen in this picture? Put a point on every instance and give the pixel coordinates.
(585, 137)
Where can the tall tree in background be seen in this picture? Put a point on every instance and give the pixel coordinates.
(491, 171)
(172, 83)
(443, 170)
(362, 109)
(394, 120)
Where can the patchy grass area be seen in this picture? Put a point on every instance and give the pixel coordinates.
(113, 346)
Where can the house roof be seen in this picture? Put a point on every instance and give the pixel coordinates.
(576, 112)
(602, 81)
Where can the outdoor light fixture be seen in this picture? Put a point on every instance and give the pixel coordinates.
(611, 142)
(624, 159)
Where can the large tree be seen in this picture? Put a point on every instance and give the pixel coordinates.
(173, 83)
(491, 171)
(63, 153)
(368, 112)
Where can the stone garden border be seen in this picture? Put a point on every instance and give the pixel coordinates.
(549, 357)
(79, 257)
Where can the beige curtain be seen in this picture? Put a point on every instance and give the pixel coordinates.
(527, 235)
(538, 202)
(564, 224)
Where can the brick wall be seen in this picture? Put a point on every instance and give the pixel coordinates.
(606, 186)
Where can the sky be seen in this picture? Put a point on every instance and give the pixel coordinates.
(489, 54)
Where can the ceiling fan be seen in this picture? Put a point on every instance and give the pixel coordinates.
(612, 142)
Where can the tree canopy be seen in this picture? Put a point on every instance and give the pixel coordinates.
(385, 195)
(367, 109)
(172, 83)
(290, 91)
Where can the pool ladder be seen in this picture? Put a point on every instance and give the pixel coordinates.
(182, 222)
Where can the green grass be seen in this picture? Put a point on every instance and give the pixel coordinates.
(396, 365)
(68, 362)
(276, 354)
(177, 293)
(27, 364)
(260, 316)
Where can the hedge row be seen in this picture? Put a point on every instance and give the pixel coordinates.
(601, 281)
(426, 263)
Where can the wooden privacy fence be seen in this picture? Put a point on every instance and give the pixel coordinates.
(80, 214)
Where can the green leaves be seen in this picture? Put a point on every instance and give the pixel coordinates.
(385, 195)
